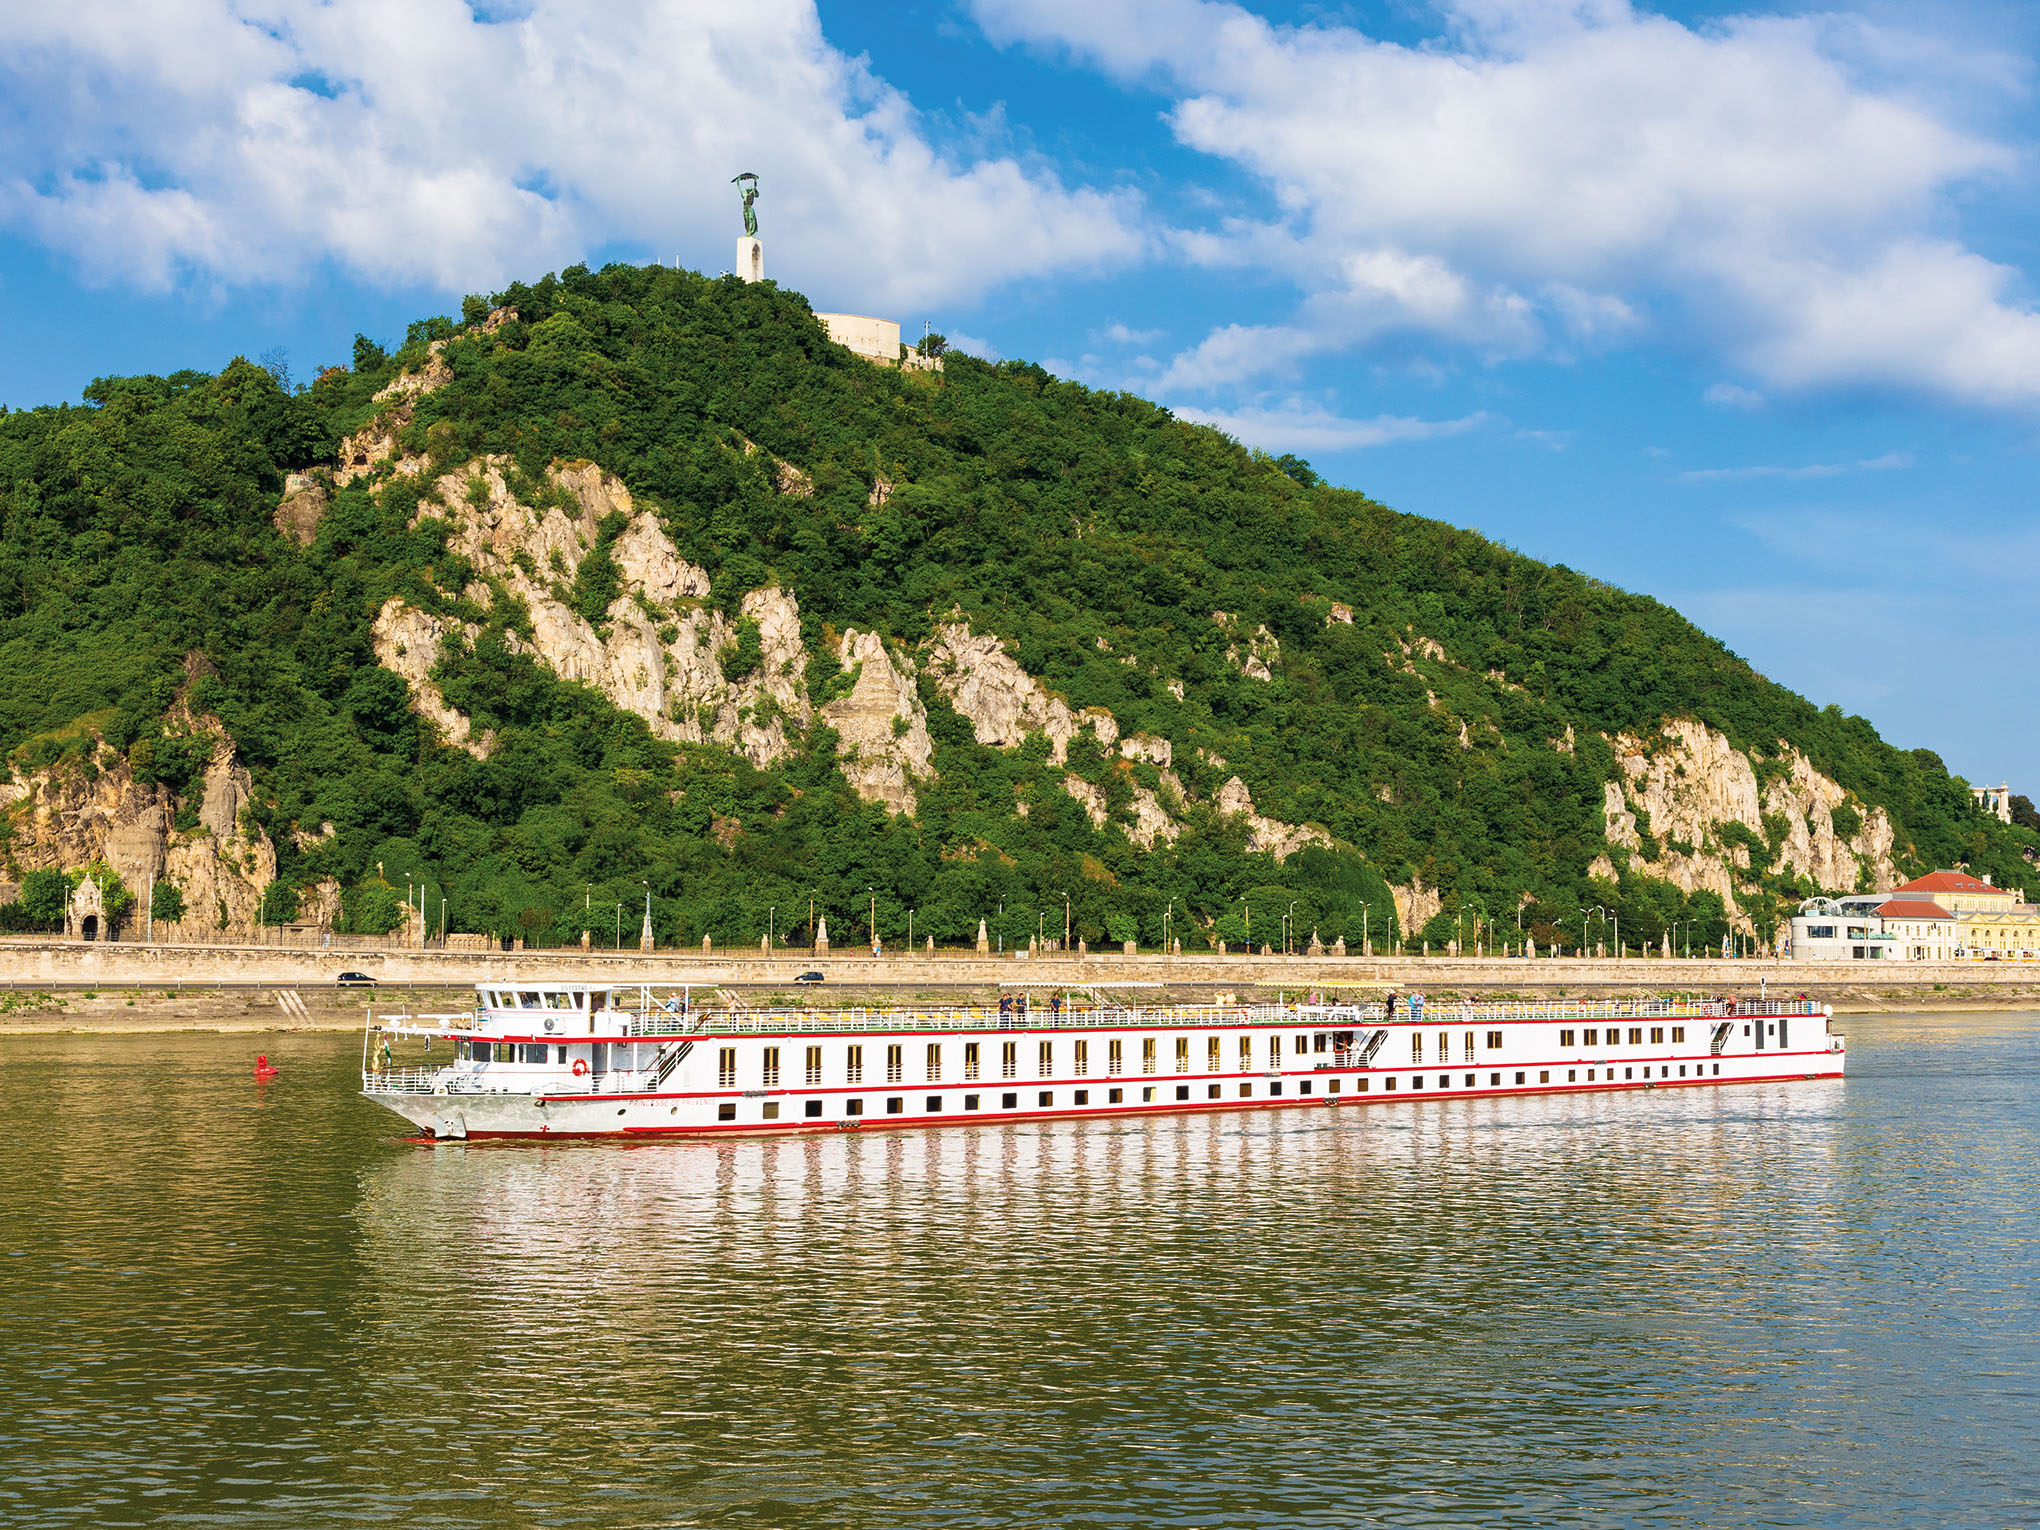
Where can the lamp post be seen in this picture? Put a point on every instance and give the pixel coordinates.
(1066, 922)
(873, 928)
(442, 921)
(1363, 926)
(1167, 914)
(771, 926)
(1289, 934)
(648, 906)
(1002, 927)
(617, 944)
(910, 932)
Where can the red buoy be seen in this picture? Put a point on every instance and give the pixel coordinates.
(264, 1069)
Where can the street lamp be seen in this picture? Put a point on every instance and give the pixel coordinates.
(1066, 922)
(1167, 914)
(771, 926)
(1002, 927)
(617, 944)
(910, 932)
(872, 930)
(648, 906)
(1289, 933)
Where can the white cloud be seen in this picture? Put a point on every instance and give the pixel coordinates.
(1117, 333)
(971, 345)
(1297, 425)
(1890, 462)
(1733, 396)
(1778, 188)
(409, 141)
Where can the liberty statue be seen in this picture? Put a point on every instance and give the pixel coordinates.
(748, 181)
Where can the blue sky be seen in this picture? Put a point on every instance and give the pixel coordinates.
(1732, 306)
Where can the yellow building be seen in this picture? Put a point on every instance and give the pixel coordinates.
(1951, 913)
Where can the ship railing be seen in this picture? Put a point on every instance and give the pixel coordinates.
(401, 1081)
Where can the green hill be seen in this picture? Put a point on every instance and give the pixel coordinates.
(1408, 705)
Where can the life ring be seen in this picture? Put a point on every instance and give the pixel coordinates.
(580, 1066)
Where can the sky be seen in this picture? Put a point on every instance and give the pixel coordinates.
(1731, 306)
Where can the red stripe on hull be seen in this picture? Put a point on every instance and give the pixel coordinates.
(1089, 1112)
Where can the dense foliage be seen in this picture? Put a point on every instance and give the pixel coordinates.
(1094, 531)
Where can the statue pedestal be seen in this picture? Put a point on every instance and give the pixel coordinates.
(750, 259)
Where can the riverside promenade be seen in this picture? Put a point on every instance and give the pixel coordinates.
(71, 964)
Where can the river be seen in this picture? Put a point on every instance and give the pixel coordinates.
(234, 1305)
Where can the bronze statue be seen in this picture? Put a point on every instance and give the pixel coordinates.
(749, 182)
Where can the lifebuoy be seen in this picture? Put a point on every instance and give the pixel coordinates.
(580, 1066)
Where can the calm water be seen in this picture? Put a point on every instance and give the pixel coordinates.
(1807, 1305)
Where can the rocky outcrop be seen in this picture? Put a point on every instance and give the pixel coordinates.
(880, 757)
(1091, 798)
(303, 506)
(1691, 781)
(656, 652)
(408, 642)
(1002, 702)
(376, 442)
(1415, 906)
(1280, 840)
(1145, 746)
(1250, 655)
(89, 809)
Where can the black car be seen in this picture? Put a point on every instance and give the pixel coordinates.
(355, 980)
(809, 977)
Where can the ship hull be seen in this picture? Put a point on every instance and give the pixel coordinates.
(561, 1116)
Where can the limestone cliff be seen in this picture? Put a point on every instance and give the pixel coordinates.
(1002, 702)
(1280, 840)
(881, 726)
(657, 651)
(88, 809)
(1690, 782)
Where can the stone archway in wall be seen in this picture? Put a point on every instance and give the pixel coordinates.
(85, 918)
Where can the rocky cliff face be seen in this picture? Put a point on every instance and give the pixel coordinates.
(90, 810)
(1690, 781)
(881, 726)
(1002, 701)
(657, 652)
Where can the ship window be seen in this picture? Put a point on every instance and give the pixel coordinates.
(1593, 1039)
(1590, 1075)
(1416, 1046)
(1046, 1097)
(1147, 1095)
(1678, 1033)
(537, 1052)
(1657, 1035)
(895, 1063)
(1213, 1091)
(1246, 1091)
(1417, 1081)
(814, 1108)
(1044, 1060)
(1363, 1085)
(1114, 1063)
(1274, 1053)
(1182, 1054)
(894, 1105)
(1332, 1087)
(530, 1000)
(726, 1068)
(771, 1111)
(1636, 1035)
(970, 1060)
(484, 1050)
(771, 1073)
(1628, 1072)
(934, 1103)
(1114, 1096)
(727, 1111)
(814, 1065)
(853, 1107)
(1717, 1069)
(1565, 1038)
(1469, 1047)
(1390, 1084)
(853, 1065)
(1682, 1070)
(1469, 1080)
(1082, 1059)
(1009, 1101)
(1302, 1045)
(1494, 1041)
(934, 1061)
(1182, 1091)
(1494, 1078)
(1304, 1087)
(1246, 1053)
(970, 1102)
(1147, 1054)
(1544, 1076)
(1009, 1059)
(1211, 1054)
(1317, 1042)
(1082, 1097)
(1571, 1074)
(1519, 1078)
(558, 1000)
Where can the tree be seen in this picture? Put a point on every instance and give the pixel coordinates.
(46, 898)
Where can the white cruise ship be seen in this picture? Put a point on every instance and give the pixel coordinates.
(584, 1059)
